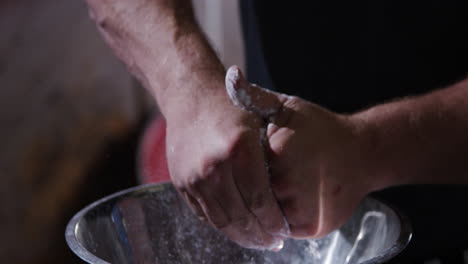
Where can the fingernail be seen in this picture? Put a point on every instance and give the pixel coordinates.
(277, 246)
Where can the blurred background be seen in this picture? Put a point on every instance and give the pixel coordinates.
(72, 119)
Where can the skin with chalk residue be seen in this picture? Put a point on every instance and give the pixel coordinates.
(315, 196)
(323, 163)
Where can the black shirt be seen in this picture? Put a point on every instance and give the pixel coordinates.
(346, 55)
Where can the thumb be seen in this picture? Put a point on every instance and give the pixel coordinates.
(251, 97)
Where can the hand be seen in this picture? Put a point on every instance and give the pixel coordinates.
(314, 157)
(214, 153)
(216, 161)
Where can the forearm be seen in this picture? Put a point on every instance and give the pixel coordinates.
(418, 140)
(162, 45)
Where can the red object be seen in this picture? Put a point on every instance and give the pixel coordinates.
(152, 153)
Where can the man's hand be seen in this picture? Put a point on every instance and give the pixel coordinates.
(214, 151)
(313, 157)
(217, 163)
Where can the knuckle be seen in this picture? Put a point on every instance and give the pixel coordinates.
(292, 103)
(227, 147)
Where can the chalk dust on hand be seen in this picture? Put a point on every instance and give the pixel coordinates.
(265, 105)
(250, 97)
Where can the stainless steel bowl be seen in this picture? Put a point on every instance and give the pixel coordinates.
(151, 224)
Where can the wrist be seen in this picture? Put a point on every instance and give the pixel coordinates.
(194, 102)
(370, 151)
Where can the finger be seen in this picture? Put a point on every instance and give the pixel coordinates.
(242, 232)
(210, 208)
(253, 183)
(193, 204)
(239, 224)
(301, 214)
(251, 97)
(303, 221)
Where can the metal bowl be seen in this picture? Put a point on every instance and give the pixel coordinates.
(151, 224)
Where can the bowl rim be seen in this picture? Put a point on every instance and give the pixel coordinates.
(70, 231)
(404, 238)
